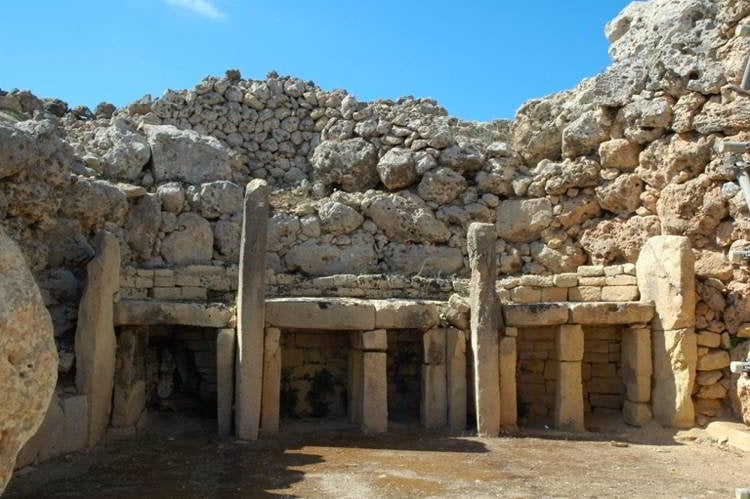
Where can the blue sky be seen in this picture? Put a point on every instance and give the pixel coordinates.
(480, 59)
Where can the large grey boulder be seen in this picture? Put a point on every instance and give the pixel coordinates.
(143, 224)
(337, 218)
(192, 242)
(28, 357)
(16, 149)
(123, 151)
(423, 259)
(218, 198)
(327, 259)
(187, 155)
(441, 186)
(523, 220)
(397, 168)
(350, 164)
(94, 202)
(404, 218)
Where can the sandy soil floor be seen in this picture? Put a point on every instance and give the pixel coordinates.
(182, 458)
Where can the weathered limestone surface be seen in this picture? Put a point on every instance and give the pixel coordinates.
(95, 340)
(150, 312)
(324, 313)
(569, 343)
(455, 365)
(406, 314)
(636, 368)
(270, 404)
(508, 390)
(569, 397)
(130, 377)
(434, 406)
(666, 276)
(355, 385)
(605, 313)
(536, 314)
(251, 310)
(374, 412)
(370, 340)
(485, 324)
(675, 357)
(28, 359)
(225, 355)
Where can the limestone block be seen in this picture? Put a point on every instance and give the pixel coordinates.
(569, 397)
(569, 343)
(51, 434)
(666, 276)
(590, 270)
(536, 314)
(374, 415)
(635, 352)
(620, 293)
(565, 280)
(554, 294)
(511, 331)
(271, 396)
(636, 413)
(321, 313)
(406, 314)
(129, 400)
(708, 339)
(95, 341)
(251, 310)
(714, 359)
(433, 410)
(508, 393)
(604, 313)
(485, 323)
(455, 363)
(585, 293)
(675, 357)
(225, 355)
(370, 340)
(150, 312)
(434, 346)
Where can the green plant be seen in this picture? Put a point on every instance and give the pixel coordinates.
(321, 389)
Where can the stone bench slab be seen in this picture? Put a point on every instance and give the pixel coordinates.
(340, 314)
(150, 312)
(602, 313)
(536, 314)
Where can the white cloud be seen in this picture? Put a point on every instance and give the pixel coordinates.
(205, 8)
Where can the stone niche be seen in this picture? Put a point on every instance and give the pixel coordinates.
(404, 363)
(603, 388)
(165, 368)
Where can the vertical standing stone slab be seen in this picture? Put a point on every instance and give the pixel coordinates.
(666, 276)
(569, 397)
(374, 412)
(270, 406)
(130, 377)
(636, 363)
(455, 365)
(675, 357)
(225, 354)
(355, 385)
(251, 310)
(434, 407)
(95, 341)
(485, 323)
(508, 390)
(569, 387)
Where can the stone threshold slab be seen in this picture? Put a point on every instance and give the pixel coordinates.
(595, 313)
(151, 312)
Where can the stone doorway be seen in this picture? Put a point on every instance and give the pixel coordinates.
(404, 366)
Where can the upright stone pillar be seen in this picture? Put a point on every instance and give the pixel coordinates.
(130, 377)
(269, 421)
(225, 354)
(251, 310)
(455, 364)
(368, 381)
(508, 391)
(637, 368)
(569, 386)
(666, 276)
(433, 410)
(95, 341)
(485, 323)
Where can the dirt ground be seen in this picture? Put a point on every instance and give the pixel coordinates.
(181, 458)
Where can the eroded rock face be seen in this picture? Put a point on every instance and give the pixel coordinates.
(352, 164)
(187, 155)
(28, 357)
